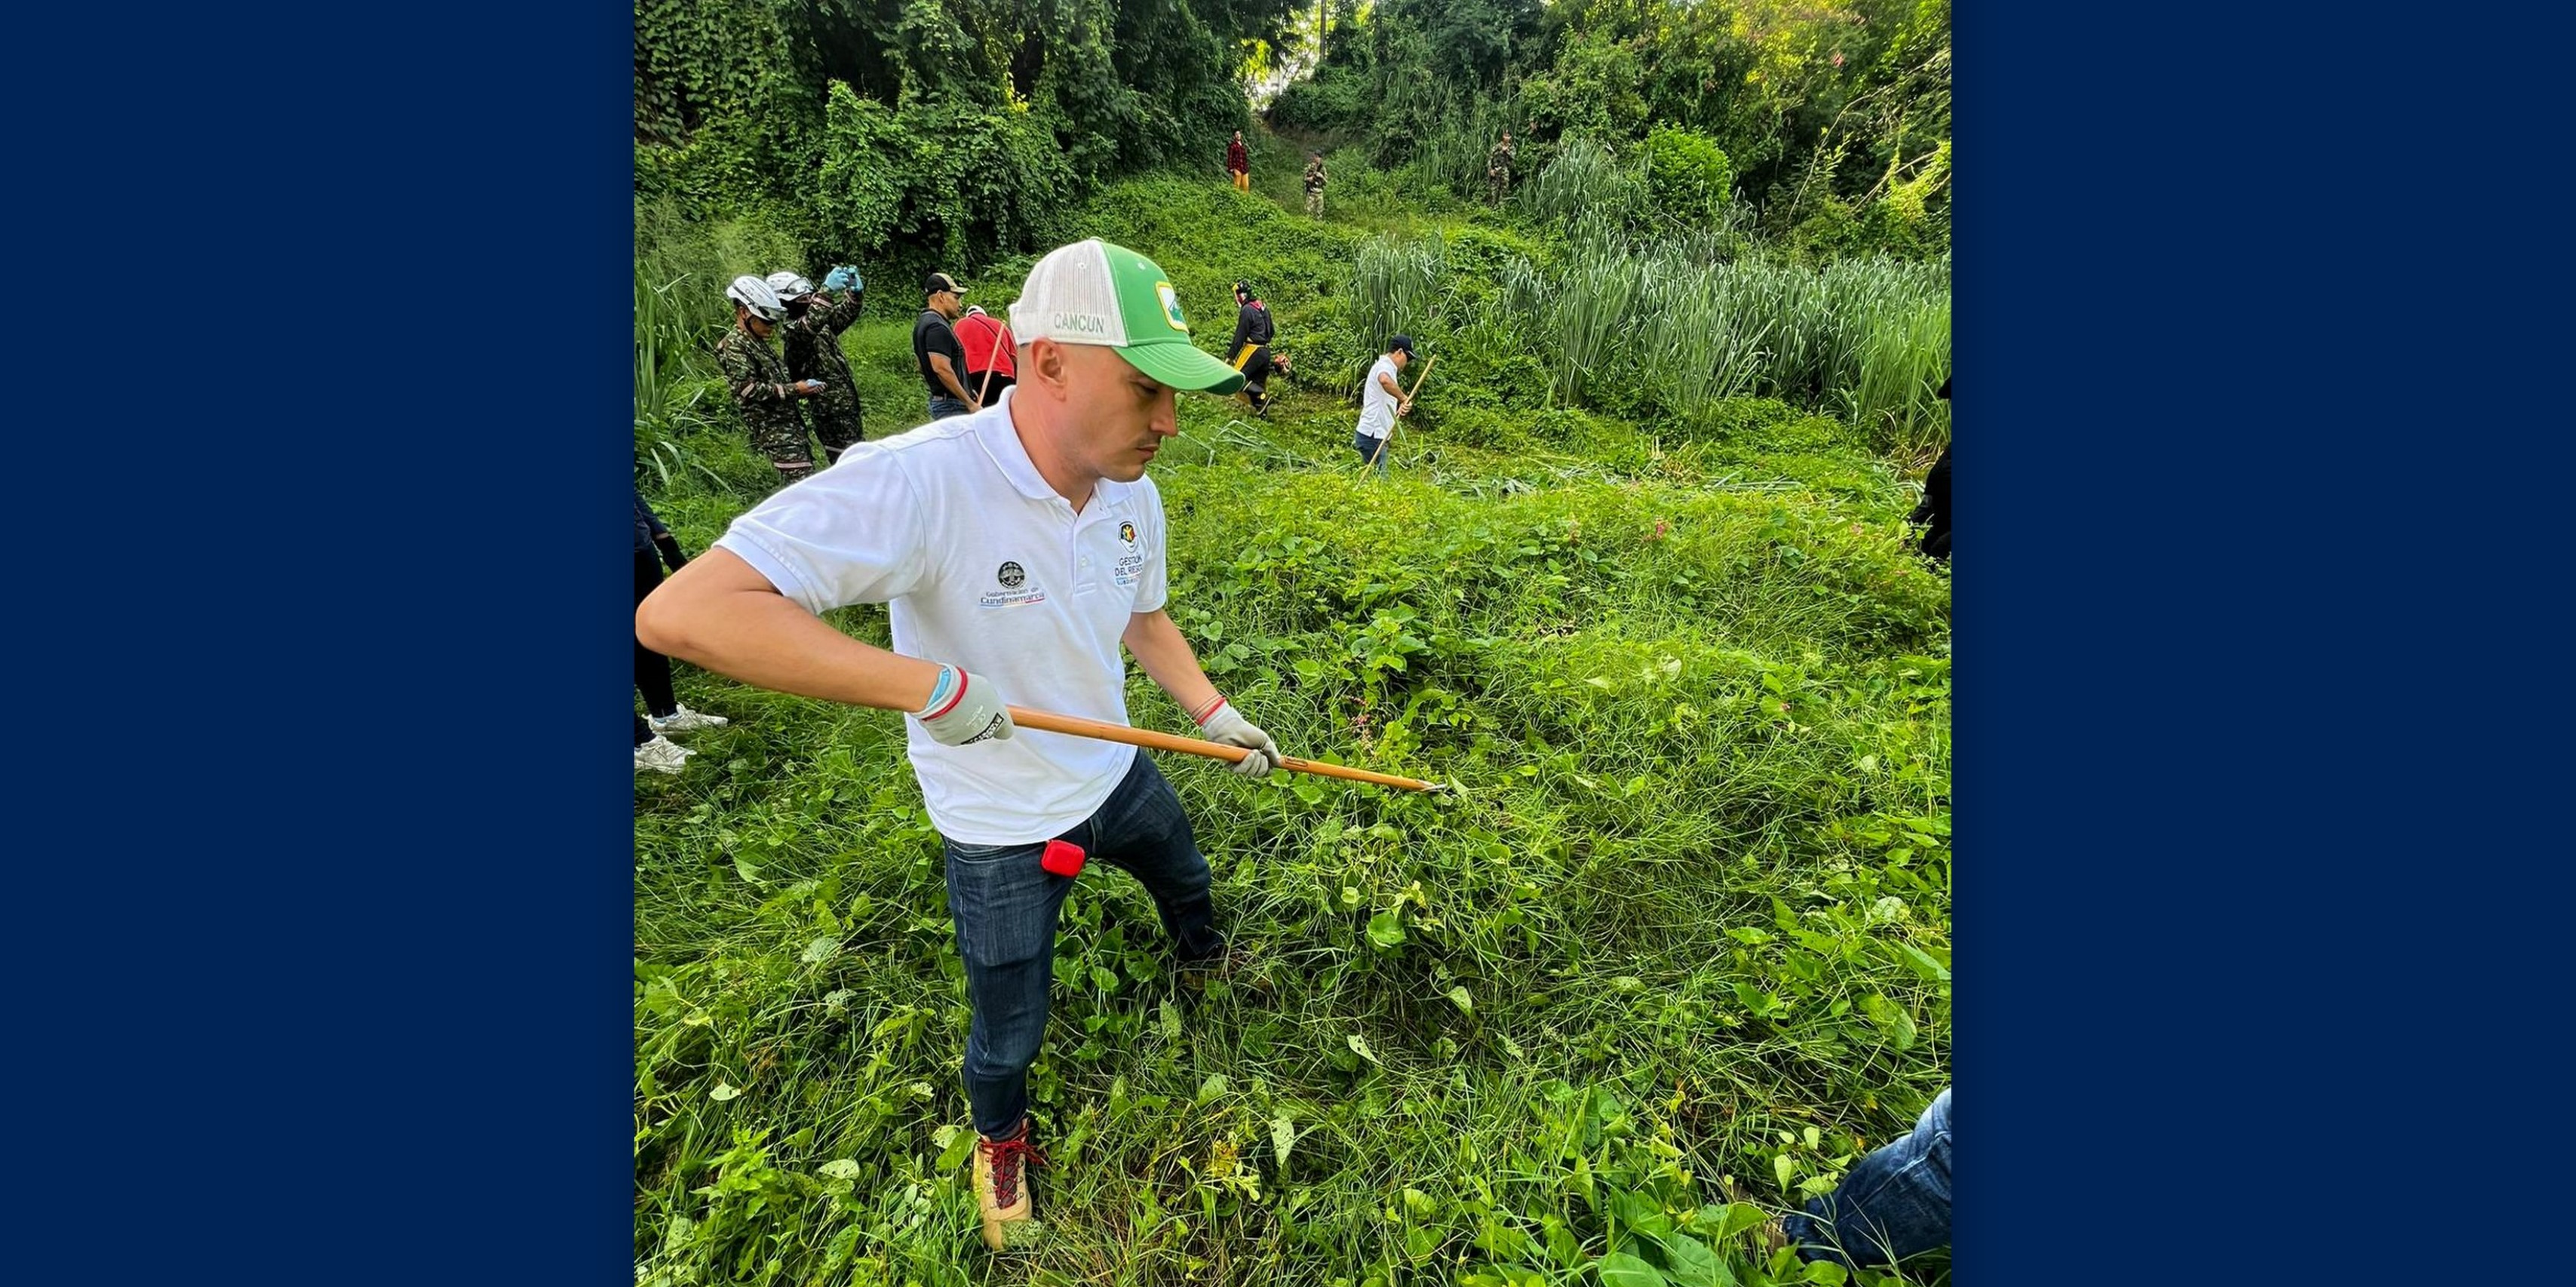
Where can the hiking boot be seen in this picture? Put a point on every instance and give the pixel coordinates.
(685, 720)
(662, 755)
(1001, 1183)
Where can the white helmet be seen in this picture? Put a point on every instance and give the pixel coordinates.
(790, 286)
(755, 294)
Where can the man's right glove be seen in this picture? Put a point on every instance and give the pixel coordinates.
(1226, 724)
(843, 278)
(964, 709)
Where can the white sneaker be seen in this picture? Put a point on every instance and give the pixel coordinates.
(662, 755)
(685, 720)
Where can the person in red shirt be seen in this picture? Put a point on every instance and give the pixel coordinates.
(1238, 163)
(990, 367)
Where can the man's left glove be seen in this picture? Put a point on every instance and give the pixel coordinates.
(1226, 724)
(843, 278)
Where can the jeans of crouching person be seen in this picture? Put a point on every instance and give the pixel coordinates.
(1005, 906)
(1893, 1205)
(942, 406)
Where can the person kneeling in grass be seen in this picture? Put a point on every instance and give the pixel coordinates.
(1017, 548)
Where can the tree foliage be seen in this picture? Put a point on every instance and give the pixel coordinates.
(1809, 108)
(957, 120)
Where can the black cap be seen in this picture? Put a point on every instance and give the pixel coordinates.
(1401, 344)
(1242, 287)
(937, 282)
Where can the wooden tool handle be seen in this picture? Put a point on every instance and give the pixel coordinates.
(1075, 725)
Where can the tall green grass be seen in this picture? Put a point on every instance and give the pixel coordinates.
(1395, 287)
(1868, 338)
(1585, 179)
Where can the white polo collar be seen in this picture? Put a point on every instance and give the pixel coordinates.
(1001, 442)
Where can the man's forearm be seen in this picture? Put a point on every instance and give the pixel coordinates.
(939, 367)
(709, 615)
(1169, 661)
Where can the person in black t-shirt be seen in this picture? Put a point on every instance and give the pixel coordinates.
(1249, 350)
(935, 348)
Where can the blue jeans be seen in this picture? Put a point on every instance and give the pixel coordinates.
(1893, 1205)
(942, 406)
(1367, 446)
(1005, 906)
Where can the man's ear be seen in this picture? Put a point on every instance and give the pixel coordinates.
(1044, 361)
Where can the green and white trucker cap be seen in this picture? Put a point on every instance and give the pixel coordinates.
(1092, 292)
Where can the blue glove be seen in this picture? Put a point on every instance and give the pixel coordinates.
(844, 278)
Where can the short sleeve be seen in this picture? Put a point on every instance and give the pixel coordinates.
(1152, 589)
(850, 534)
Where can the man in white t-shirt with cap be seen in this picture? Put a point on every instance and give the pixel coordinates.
(1018, 548)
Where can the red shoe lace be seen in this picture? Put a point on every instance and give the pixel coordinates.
(1006, 1157)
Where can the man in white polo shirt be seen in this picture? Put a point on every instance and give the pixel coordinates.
(1381, 401)
(1017, 548)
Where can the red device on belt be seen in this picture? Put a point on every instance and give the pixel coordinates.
(1062, 858)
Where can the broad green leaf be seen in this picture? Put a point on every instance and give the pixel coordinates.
(823, 948)
(1689, 1263)
(1465, 1003)
(1360, 1047)
(1104, 979)
(1909, 955)
(1283, 1138)
(1619, 1269)
(840, 1168)
(1386, 930)
(1213, 1089)
(1784, 1166)
(1739, 1217)
(723, 1091)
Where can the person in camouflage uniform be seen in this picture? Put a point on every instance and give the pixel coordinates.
(813, 341)
(1498, 169)
(759, 379)
(1315, 184)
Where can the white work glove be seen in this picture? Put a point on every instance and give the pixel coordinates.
(964, 709)
(1226, 724)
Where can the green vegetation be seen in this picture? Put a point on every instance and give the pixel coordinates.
(1637, 584)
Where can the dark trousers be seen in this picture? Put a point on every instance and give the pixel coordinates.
(643, 731)
(988, 389)
(1254, 362)
(652, 669)
(942, 406)
(1005, 906)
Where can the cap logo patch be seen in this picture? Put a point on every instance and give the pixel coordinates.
(1171, 306)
